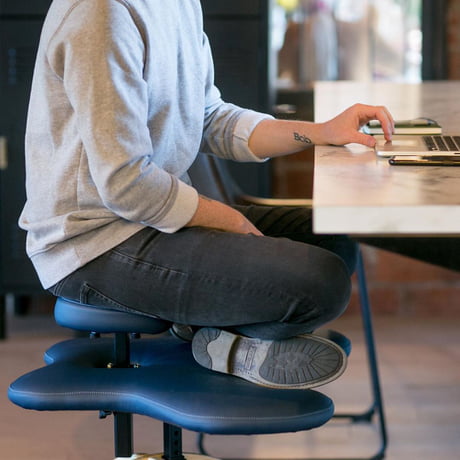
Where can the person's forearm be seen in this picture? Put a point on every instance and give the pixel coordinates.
(280, 137)
(273, 138)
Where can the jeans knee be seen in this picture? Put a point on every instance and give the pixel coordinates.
(325, 293)
(336, 286)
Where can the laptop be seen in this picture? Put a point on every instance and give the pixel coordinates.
(427, 145)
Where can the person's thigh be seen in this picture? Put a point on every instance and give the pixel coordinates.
(206, 277)
(296, 223)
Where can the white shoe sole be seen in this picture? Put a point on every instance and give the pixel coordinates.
(301, 362)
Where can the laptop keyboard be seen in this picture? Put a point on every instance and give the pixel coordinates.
(442, 143)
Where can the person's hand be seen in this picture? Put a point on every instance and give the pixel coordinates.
(344, 128)
(217, 215)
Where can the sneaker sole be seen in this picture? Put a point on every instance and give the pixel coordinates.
(301, 362)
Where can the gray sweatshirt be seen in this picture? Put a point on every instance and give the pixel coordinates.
(121, 103)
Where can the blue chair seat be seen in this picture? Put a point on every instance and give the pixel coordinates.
(94, 318)
(168, 385)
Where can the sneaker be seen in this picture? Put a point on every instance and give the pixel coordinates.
(300, 362)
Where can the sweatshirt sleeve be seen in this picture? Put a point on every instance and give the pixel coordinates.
(110, 107)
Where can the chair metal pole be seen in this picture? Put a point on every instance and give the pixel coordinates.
(123, 422)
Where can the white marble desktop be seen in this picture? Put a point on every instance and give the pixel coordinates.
(357, 193)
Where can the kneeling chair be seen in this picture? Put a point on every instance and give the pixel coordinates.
(157, 377)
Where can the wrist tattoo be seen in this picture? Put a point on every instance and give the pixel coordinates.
(301, 138)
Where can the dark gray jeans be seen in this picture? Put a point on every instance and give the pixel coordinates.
(283, 284)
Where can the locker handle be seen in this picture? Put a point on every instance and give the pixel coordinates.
(3, 153)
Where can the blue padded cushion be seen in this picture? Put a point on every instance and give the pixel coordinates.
(93, 318)
(168, 386)
(341, 340)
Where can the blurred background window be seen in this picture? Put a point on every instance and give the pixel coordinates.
(347, 40)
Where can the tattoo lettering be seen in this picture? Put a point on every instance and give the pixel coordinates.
(301, 138)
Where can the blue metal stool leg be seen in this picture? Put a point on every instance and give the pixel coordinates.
(376, 406)
(372, 356)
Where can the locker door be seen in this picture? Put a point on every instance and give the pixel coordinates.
(18, 44)
(239, 34)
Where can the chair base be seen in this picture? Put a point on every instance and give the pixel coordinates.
(160, 456)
